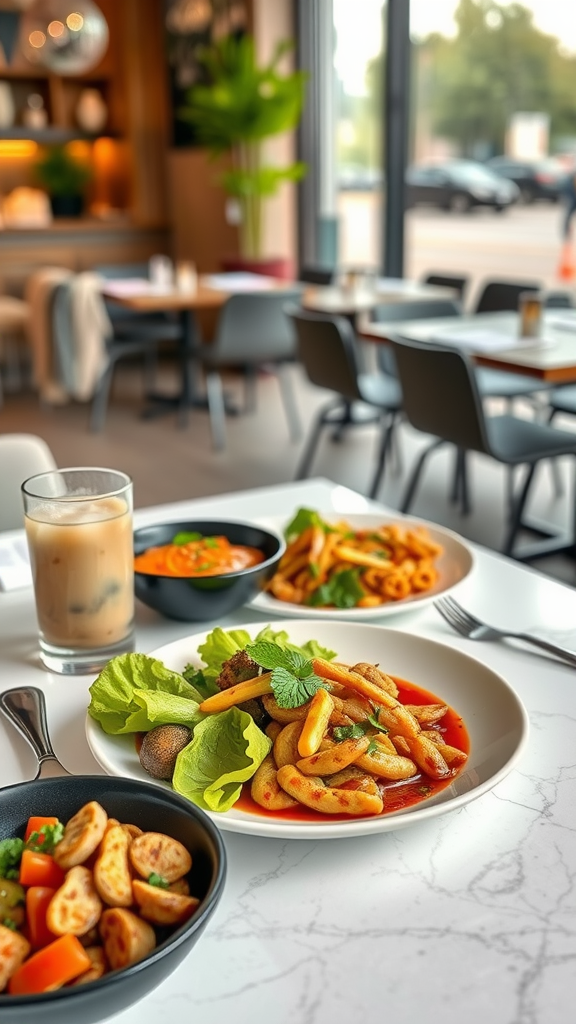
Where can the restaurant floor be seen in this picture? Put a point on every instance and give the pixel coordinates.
(168, 463)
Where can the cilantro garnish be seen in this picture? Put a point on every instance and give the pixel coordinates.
(343, 590)
(349, 732)
(293, 678)
(9, 923)
(353, 732)
(314, 569)
(10, 854)
(186, 538)
(158, 881)
(373, 719)
(45, 839)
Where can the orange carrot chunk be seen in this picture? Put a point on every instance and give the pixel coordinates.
(40, 869)
(37, 899)
(51, 967)
(35, 823)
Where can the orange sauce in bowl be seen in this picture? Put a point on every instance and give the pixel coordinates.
(206, 556)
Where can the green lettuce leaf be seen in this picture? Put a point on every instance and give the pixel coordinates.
(225, 751)
(135, 692)
(221, 644)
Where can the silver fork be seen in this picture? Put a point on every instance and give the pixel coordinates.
(474, 629)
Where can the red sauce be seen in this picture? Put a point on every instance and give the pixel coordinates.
(397, 795)
(204, 556)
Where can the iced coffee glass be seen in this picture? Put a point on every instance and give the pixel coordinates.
(79, 531)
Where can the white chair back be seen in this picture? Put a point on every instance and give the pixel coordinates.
(21, 456)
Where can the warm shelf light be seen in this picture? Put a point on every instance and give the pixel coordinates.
(17, 149)
(37, 39)
(56, 29)
(75, 22)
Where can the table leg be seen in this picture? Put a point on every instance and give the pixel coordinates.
(188, 396)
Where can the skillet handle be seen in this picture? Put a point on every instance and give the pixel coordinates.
(25, 706)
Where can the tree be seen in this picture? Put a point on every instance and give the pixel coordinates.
(498, 64)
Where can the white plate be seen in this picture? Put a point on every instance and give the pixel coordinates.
(496, 720)
(454, 564)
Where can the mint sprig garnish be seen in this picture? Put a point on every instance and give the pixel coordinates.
(293, 679)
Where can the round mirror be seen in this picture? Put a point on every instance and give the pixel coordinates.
(66, 36)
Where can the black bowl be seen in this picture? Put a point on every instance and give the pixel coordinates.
(153, 809)
(202, 598)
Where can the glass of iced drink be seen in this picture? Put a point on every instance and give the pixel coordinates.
(79, 531)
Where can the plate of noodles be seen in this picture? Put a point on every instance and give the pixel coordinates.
(448, 732)
(361, 566)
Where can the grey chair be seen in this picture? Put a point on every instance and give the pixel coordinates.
(125, 344)
(21, 456)
(317, 275)
(328, 352)
(499, 296)
(460, 284)
(252, 331)
(441, 398)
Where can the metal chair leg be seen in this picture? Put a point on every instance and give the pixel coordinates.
(416, 473)
(100, 400)
(250, 374)
(516, 518)
(290, 407)
(216, 409)
(386, 442)
(322, 420)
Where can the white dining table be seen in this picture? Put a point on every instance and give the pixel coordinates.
(467, 916)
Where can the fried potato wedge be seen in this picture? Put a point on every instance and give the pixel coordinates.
(76, 906)
(14, 949)
(265, 789)
(161, 906)
(311, 791)
(82, 834)
(126, 937)
(335, 758)
(98, 968)
(155, 852)
(112, 876)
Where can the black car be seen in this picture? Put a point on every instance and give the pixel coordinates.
(458, 185)
(536, 179)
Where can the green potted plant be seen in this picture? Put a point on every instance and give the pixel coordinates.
(65, 179)
(240, 106)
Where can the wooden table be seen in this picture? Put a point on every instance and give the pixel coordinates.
(552, 361)
(212, 291)
(365, 296)
(465, 916)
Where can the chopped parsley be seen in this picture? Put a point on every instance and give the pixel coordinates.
(158, 881)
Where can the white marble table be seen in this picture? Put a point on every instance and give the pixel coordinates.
(471, 916)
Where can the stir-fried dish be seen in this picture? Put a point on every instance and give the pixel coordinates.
(333, 565)
(85, 898)
(280, 728)
(192, 554)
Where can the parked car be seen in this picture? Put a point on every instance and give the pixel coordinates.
(459, 185)
(536, 179)
(358, 178)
